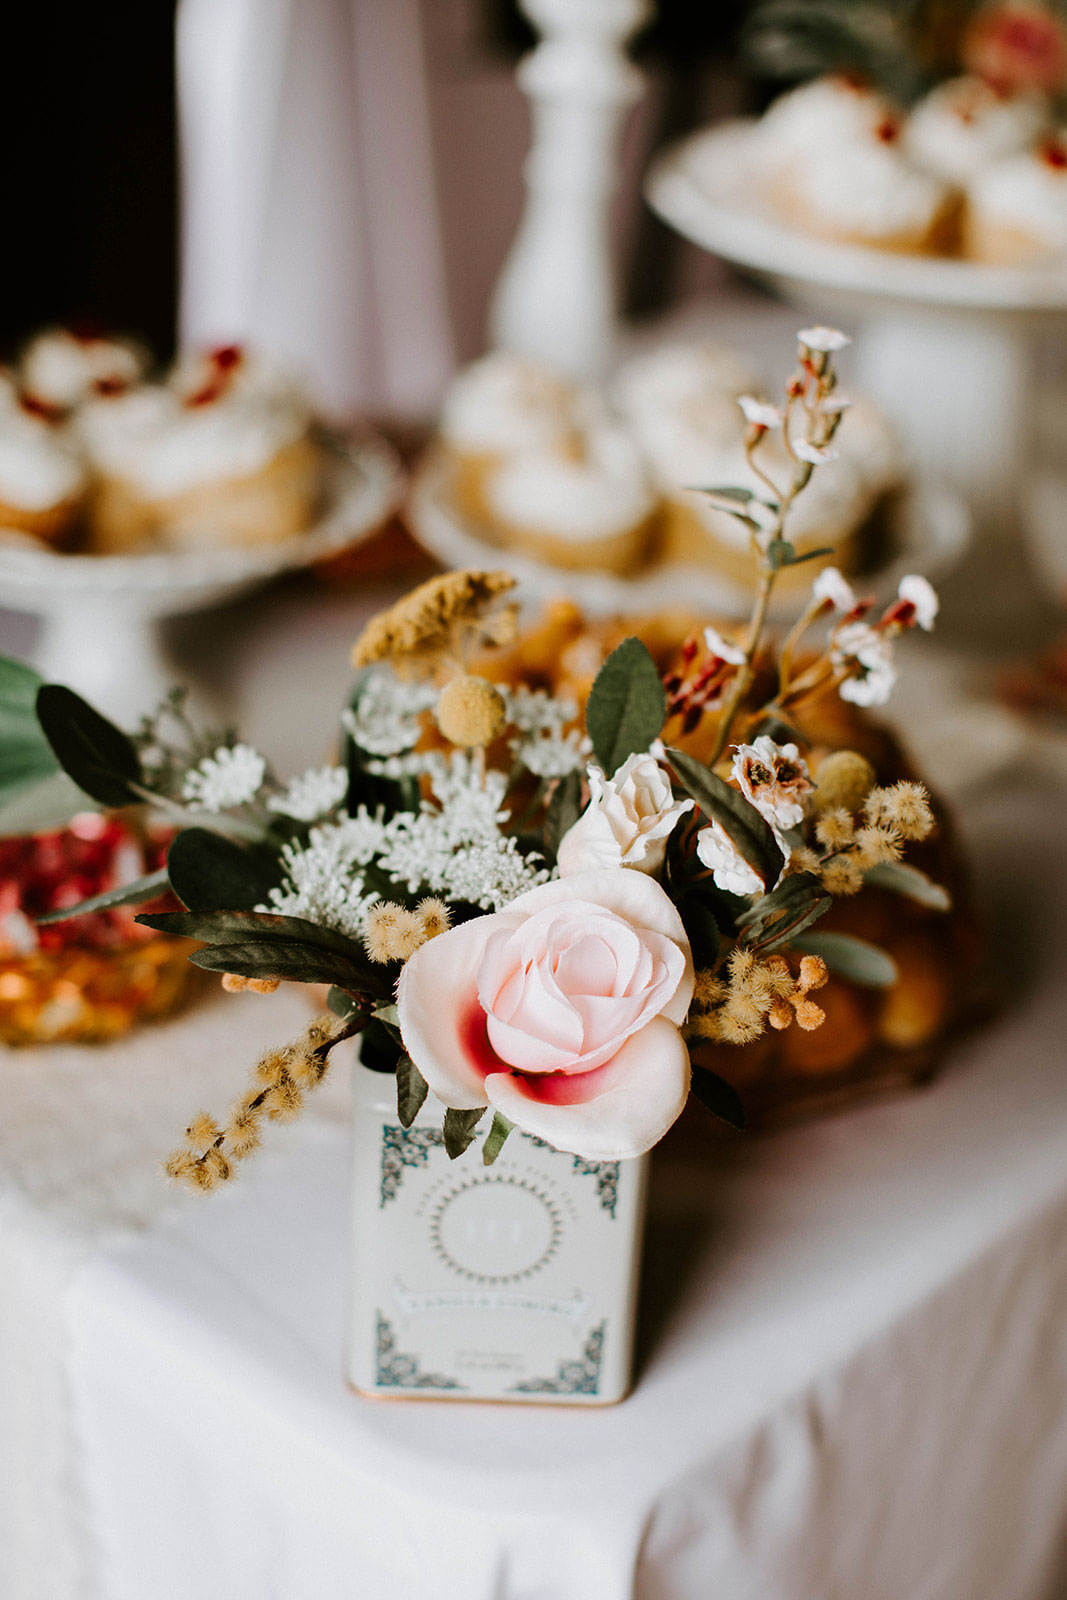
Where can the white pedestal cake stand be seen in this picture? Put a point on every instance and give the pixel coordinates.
(101, 615)
(946, 349)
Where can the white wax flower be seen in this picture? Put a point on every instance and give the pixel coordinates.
(814, 454)
(721, 649)
(825, 340)
(831, 585)
(759, 412)
(921, 594)
(775, 779)
(859, 645)
(627, 821)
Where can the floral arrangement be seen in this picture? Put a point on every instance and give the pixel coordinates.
(529, 907)
(904, 46)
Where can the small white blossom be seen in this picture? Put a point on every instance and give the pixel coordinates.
(870, 656)
(552, 756)
(816, 455)
(230, 777)
(730, 870)
(775, 779)
(834, 405)
(721, 649)
(759, 412)
(534, 711)
(312, 795)
(832, 586)
(916, 591)
(825, 340)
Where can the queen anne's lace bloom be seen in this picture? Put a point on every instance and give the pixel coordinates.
(385, 718)
(312, 795)
(230, 777)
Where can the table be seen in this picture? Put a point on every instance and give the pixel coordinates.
(852, 1378)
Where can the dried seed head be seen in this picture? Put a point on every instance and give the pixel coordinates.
(471, 711)
(813, 973)
(834, 829)
(434, 916)
(202, 1132)
(842, 876)
(780, 1016)
(843, 779)
(875, 845)
(809, 1015)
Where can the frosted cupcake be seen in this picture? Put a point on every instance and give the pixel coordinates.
(222, 454)
(61, 368)
(965, 125)
(42, 480)
(504, 405)
(1017, 209)
(834, 166)
(677, 397)
(588, 510)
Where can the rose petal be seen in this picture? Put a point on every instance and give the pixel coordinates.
(441, 1022)
(635, 1098)
(638, 899)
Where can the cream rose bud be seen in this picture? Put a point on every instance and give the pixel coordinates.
(627, 821)
(729, 868)
(563, 1012)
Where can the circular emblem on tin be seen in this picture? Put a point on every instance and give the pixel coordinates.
(496, 1229)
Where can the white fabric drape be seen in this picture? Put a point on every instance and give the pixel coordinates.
(309, 212)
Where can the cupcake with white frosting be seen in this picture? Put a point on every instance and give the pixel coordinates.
(61, 368)
(591, 508)
(501, 406)
(834, 164)
(221, 454)
(679, 392)
(42, 479)
(1017, 209)
(964, 125)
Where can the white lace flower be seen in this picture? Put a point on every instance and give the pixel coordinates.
(552, 756)
(832, 586)
(826, 340)
(534, 711)
(230, 777)
(312, 795)
(869, 656)
(729, 868)
(384, 720)
(775, 779)
(921, 594)
(721, 649)
(759, 412)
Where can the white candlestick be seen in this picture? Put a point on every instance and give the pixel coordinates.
(555, 300)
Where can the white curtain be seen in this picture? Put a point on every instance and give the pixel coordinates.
(309, 213)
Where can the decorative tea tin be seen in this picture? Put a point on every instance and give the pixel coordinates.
(511, 1282)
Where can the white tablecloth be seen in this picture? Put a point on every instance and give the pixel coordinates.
(852, 1382)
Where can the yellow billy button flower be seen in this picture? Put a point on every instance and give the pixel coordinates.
(471, 712)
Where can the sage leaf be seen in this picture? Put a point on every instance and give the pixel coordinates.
(627, 705)
(96, 754)
(209, 872)
(718, 1096)
(411, 1091)
(746, 828)
(494, 1139)
(38, 808)
(900, 878)
(796, 560)
(780, 553)
(851, 958)
(459, 1129)
(280, 958)
(130, 894)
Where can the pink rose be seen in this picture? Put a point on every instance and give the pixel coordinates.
(562, 1012)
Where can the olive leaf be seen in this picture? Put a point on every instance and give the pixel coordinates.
(26, 757)
(901, 878)
(411, 1091)
(328, 956)
(43, 805)
(209, 872)
(130, 894)
(851, 958)
(798, 901)
(749, 832)
(283, 959)
(97, 755)
(627, 705)
(494, 1139)
(718, 1096)
(459, 1129)
(563, 810)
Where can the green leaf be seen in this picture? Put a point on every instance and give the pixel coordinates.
(131, 894)
(459, 1129)
(378, 1050)
(718, 1096)
(798, 901)
(227, 927)
(411, 1091)
(786, 932)
(47, 804)
(563, 809)
(341, 1004)
(780, 553)
(627, 705)
(796, 560)
(701, 928)
(26, 757)
(851, 958)
(898, 877)
(211, 873)
(746, 828)
(725, 491)
(281, 958)
(494, 1139)
(96, 754)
